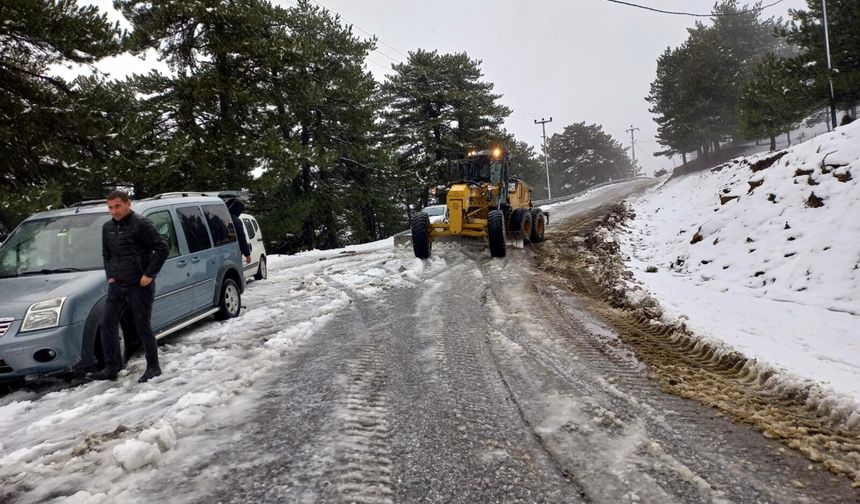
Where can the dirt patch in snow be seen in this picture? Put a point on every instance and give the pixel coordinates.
(583, 256)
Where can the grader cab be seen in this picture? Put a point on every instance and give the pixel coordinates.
(484, 203)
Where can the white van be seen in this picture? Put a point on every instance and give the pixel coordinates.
(257, 269)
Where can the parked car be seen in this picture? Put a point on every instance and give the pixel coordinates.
(437, 213)
(258, 268)
(53, 286)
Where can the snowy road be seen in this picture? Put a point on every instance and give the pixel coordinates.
(373, 377)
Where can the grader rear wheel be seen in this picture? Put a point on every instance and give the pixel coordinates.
(521, 221)
(538, 225)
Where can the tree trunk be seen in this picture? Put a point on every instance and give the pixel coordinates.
(788, 137)
(282, 111)
(684, 157)
(305, 185)
(224, 116)
(370, 221)
(772, 143)
(331, 231)
(437, 136)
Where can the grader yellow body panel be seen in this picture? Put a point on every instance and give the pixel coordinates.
(483, 202)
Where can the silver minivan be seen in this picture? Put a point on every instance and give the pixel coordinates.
(53, 286)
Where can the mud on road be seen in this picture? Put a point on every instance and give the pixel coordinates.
(580, 256)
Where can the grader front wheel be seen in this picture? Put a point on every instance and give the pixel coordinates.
(421, 235)
(496, 233)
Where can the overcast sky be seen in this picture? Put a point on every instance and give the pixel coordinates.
(572, 60)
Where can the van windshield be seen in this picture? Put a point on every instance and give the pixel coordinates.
(53, 245)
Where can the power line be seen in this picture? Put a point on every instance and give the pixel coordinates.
(398, 51)
(692, 14)
(380, 65)
(375, 49)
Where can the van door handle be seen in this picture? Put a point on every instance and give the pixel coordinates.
(181, 263)
(195, 260)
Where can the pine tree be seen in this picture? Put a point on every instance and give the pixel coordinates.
(772, 102)
(47, 126)
(670, 105)
(333, 187)
(438, 108)
(208, 102)
(695, 94)
(806, 30)
(583, 156)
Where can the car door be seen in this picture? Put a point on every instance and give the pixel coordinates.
(199, 249)
(251, 235)
(258, 238)
(173, 286)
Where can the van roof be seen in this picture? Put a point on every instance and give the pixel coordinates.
(141, 205)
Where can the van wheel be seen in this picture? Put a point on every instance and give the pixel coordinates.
(231, 300)
(262, 271)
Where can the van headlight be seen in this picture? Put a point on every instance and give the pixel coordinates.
(43, 315)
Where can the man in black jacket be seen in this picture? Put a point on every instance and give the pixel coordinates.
(134, 253)
(236, 207)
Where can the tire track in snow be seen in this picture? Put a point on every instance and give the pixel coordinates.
(363, 453)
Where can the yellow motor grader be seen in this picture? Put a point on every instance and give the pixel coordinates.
(483, 202)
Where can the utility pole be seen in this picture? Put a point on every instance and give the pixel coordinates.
(633, 147)
(829, 65)
(542, 123)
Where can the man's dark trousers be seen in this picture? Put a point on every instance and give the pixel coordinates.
(138, 301)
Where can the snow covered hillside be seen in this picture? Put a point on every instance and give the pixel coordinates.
(763, 254)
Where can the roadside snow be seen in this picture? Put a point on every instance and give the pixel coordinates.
(773, 273)
(102, 441)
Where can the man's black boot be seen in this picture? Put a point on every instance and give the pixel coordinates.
(104, 374)
(151, 372)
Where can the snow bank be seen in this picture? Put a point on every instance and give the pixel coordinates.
(763, 254)
(102, 441)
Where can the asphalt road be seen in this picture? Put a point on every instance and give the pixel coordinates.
(489, 383)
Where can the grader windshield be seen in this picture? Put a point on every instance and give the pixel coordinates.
(483, 166)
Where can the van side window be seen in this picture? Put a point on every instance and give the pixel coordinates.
(249, 229)
(256, 226)
(164, 224)
(220, 224)
(194, 228)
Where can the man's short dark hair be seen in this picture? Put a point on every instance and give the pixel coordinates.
(121, 195)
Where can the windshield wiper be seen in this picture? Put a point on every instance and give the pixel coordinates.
(49, 271)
